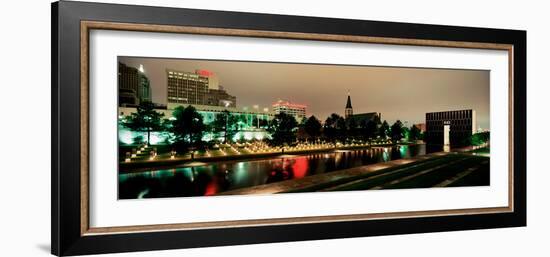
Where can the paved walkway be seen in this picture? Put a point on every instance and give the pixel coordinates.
(313, 180)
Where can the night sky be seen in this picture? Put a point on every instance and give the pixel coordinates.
(398, 93)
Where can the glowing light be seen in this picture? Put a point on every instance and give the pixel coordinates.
(141, 68)
(143, 193)
(211, 188)
(127, 137)
(204, 73)
(300, 167)
(288, 104)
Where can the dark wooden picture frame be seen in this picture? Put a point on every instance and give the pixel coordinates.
(71, 23)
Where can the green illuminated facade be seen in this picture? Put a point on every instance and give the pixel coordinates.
(249, 124)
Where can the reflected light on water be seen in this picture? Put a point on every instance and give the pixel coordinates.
(211, 188)
(300, 167)
(213, 178)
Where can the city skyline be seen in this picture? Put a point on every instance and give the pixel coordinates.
(324, 88)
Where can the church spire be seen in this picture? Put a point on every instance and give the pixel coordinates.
(349, 110)
(348, 104)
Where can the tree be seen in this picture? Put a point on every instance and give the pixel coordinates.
(329, 132)
(480, 138)
(138, 140)
(341, 128)
(333, 126)
(283, 127)
(384, 130)
(303, 122)
(351, 127)
(187, 126)
(369, 129)
(405, 132)
(264, 122)
(239, 121)
(226, 123)
(397, 131)
(145, 119)
(414, 133)
(313, 127)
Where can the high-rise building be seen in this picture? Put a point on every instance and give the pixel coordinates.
(128, 81)
(220, 97)
(133, 86)
(198, 88)
(296, 110)
(452, 128)
(213, 80)
(186, 87)
(144, 90)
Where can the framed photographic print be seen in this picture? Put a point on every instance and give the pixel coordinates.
(177, 128)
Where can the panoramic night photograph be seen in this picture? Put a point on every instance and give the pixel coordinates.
(189, 128)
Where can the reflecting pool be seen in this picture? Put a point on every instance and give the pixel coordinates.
(217, 177)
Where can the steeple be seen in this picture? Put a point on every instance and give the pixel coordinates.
(348, 104)
(349, 110)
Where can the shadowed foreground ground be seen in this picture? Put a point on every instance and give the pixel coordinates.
(438, 170)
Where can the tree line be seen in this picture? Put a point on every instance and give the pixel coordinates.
(339, 129)
(186, 127)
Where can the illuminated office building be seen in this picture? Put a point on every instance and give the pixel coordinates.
(296, 110)
(197, 88)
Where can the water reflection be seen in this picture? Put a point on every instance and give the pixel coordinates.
(222, 176)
